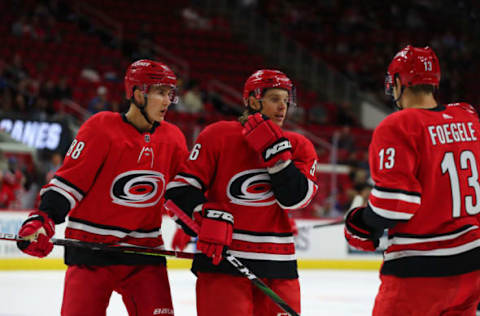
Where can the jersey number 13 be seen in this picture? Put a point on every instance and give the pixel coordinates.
(467, 164)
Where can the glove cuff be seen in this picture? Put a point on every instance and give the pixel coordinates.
(280, 145)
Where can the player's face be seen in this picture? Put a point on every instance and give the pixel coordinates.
(159, 98)
(275, 103)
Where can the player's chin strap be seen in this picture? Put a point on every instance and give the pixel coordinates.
(172, 208)
(395, 101)
(142, 109)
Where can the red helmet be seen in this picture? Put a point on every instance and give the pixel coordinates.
(265, 79)
(143, 73)
(414, 65)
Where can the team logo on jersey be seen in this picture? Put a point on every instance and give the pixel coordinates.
(138, 188)
(251, 188)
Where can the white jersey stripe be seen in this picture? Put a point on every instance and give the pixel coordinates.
(69, 189)
(389, 213)
(111, 232)
(410, 240)
(176, 184)
(64, 193)
(263, 239)
(312, 188)
(190, 180)
(436, 252)
(262, 256)
(396, 196)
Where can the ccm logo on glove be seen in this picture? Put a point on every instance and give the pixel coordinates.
(219, 215)
(282, 145)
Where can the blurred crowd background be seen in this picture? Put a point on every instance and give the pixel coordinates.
(62, 61)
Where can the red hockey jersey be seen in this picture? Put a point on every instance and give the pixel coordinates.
(222, 164)
(425, 165)
(114, 179)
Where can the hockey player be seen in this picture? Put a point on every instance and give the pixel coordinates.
(425, 161)
(111, 186)
(241, 180)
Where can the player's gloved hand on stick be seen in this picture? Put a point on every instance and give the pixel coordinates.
(180, 240)
(357, 233)
(37, 230)
(216, 231)
(267, 138)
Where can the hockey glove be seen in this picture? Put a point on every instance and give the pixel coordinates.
(357, 233)
(180, 240)
(267, 138)
(216, 231)
(37, 230)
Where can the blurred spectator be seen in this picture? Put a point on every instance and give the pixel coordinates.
(192, 99)
(20, 103)
(144, 50)
(194, 20)
(17, 71)
(51, 30)
(21, 27)
(52, 166)
(91, 74)
(47, 90)
(7, 198)
(38, 29)
(296, 114)
(145, 33)
(41, 109)
(318, 114)
(6, 102)
(99, 102)
(345, 143)
(62, 89)
(345, 115)
(14, 179)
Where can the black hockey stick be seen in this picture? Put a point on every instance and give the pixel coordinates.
(108, 247)
(174, 209)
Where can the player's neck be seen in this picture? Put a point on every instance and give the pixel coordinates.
(135, 117)
(418, 101)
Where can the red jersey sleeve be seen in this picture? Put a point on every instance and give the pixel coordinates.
(200, 165)
(393, 155)
(305, 159)
(82, 162)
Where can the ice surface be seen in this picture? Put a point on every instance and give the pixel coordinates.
(324, 292)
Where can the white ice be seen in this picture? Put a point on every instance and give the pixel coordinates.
(324, 292)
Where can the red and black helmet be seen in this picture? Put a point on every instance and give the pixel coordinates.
(264, 79)
(144, 73)
(414, 66)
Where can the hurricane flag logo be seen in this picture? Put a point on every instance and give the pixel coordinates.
(138, 188)
(252, 188)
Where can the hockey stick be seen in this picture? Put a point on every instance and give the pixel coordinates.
(108, 247)
(332, 223)
(173, 208)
